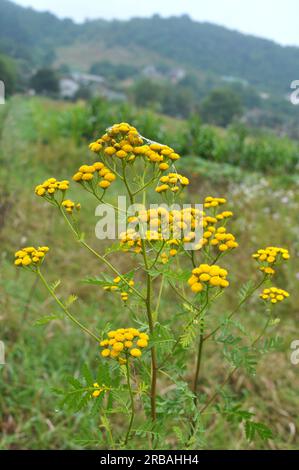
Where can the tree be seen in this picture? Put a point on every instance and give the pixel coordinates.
(220, 107)
(8, 74)
(45, 81)
(146, 93)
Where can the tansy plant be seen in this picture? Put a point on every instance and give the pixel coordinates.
(149, 370)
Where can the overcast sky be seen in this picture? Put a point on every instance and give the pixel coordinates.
(273, 19)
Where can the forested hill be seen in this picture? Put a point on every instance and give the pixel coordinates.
(34, 37)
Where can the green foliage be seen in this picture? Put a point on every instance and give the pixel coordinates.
(33, 36)
(238, 146)
(233, 413)
(252, 429)
(45, 81)
(164, 98)
(220, 107)
(8, 74)
(113, 71)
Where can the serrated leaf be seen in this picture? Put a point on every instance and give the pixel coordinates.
(274, 343)
(242, 357)
(55, 284)
(74, 382)
(189, 335)
(47, 319)
(252, 429)
(113, 248)
(87, 375)
(72, 298)
(104, 280)
(245, 290)
(103, 375)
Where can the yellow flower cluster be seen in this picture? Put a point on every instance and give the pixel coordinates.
(212, 276)
(160, 224)
(123, 343)
(224, 215)
(220, 238)
(70, 206)
(98, 390)
(30, 256)
(172, 182)
(211, 201)
(176, 228)
(50, 186)
(125, 143)
(274, 295)
(120, 285)
(269, 256)
(131, 240)
(97, 173)
(173, 245)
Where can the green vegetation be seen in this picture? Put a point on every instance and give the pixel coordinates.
(40, 138)
(238, 146)
(8, 74)
(221, 107)
(200, 46)
(45, 81)
(209, 56)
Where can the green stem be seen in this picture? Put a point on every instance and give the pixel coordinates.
(109, 265)
(145, 186)
(151, 329)
(198, 362)
(200, 311)
(213, 398)
(63, 307)
(159, 298)
(132, 403)
(157, 255)
(237, 308)
(100, 257)
(131, 196)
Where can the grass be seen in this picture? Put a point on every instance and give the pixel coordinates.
(39, 357)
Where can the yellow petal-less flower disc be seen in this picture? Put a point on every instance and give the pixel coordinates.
(123, 344)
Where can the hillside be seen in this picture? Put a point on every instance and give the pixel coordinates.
(37, 38)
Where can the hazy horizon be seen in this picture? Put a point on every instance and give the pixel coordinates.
(276, 22)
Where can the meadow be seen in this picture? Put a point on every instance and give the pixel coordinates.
(41, 138)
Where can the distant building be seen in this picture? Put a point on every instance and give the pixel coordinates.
(176, 75)
(264, 96)
(231, 79)
(68, 88)
(151, 72)
(96, 85)
(86, 79)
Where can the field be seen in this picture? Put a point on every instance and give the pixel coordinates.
(41, 138)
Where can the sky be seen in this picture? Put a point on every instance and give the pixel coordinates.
(272, 19)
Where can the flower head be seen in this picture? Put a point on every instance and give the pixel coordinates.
(69, 206)
(269, 257)
(212, 202)
(274, 295)
(98, 390)
(51, 187)
(206, 275)
(124, 343)
(121, 286)
(124, 142)
(220, 238)
(30, 256)
(173, 182)
(95, 175)
(131, 240)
